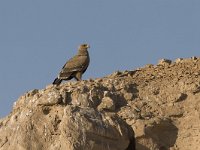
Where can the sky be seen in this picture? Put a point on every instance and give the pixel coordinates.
(38, 36)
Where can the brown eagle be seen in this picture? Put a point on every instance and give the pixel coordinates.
(76, 66)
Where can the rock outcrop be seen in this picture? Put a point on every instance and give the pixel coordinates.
(157, 106)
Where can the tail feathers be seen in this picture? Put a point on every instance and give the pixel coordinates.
(57, 81)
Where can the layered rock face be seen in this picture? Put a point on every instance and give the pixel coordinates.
(154, 107)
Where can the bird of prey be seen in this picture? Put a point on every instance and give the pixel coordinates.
(76, 66)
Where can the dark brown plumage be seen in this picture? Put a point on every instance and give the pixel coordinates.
(76, 66)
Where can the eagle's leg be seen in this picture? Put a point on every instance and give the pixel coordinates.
(78, 76)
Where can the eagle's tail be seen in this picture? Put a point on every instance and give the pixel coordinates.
(57, 81)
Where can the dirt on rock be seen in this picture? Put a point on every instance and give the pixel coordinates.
(156, 107)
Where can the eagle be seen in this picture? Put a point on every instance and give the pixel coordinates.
(76, 66)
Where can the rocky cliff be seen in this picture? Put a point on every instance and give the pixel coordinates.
(156, 107)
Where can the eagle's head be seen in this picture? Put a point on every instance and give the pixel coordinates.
(83, 49)
(84, 46)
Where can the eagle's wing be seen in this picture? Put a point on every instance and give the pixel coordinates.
(76, 64)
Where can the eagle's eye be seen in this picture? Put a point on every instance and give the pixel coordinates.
(85, 46)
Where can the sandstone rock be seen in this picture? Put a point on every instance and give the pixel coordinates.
(164, 62)
(62, 119)
(107, 104)
(178, 60)
(160, 103)
(71, 127)
(128, 96)
(194, 57)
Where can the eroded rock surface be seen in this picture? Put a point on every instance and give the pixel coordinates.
(160, 103)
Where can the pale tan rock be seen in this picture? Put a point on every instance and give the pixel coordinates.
(161, 103)
(164, 62)
(128, 96)
(70, 127)
(107, 104)
(178, 60)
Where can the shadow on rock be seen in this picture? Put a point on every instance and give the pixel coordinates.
(163, 133)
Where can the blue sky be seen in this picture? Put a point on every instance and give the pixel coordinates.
(38, 36)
